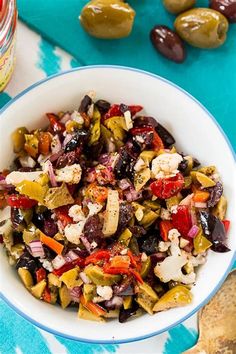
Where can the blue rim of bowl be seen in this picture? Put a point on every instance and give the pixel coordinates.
(197, 308)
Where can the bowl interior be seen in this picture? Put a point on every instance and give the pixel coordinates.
(196, 133)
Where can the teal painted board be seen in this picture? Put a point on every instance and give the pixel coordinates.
(209, 75)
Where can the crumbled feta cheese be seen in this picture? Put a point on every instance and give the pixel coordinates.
(183, 242)
(124, 252)
(97, 299)
(139, 214)
(144, 257)
(140, 165)
(128, 120)
(174, 209)
(16, 177)
(46, 264)
(173, 235)
(76, 213)
(105, 292)
(163, 246)
(69, 174)
(165, 214)
(139, 139)
(76, 116)
(27, 161)
(74, 231)
(166, 164)
(94, 208)
(94, 244)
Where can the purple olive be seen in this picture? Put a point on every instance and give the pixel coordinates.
(168, 43)
(226, 7)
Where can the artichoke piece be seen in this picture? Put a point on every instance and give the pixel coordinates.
(64, 296)
(17, 250)
(95, 129)
(30, 234)
(146, 266)
(177, 296)
(220, 209)
(98, 277)
(109, 140)
(111, 218)
(207, 170)
(153, 205)
(87, 315)
(53, 280)
(57, 197)
(33, 190)
(141, 178)
(147, 156)
(187, 182)
(54, 295)
(69, 278)
(146, 297)
(125, 237)
(26, 277)
(148, 219)
(89, 291)
(170, 202)
(38, 289)
(117, 126)
(112, 314)
(18, 139)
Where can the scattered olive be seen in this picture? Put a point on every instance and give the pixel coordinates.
(202, 28)
(178, 6)
(226, 7)
(168, 43)
(107, 18)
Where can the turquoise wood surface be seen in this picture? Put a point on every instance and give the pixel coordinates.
(209, 75)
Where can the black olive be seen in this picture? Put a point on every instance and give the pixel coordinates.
(28, 262)
(183, 165)
(149, 245)
(79, 138)
(125, 314)
(123, 108)
(85, 103)
(103, 106)
(17, 217)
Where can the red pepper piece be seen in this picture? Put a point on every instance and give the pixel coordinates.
(134, 109)
(62, 215)
(226, 225)
(40, 274)
(20, 201)
(55, 124)
(68, 266)
(113, 111)
(140, 130)
(137, 276)
(118, 270)
(97, 256)
(132, 259)
(165, 227)
(167, 187)
(182, 220)
(157, 143)
(47, 295)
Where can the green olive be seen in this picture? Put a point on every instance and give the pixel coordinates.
(107, 19)
(178, 6)
(202, 28)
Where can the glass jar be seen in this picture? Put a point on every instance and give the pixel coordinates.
(8, 20)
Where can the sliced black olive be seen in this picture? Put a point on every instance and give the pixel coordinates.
(85, 103)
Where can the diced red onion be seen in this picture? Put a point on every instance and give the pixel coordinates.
(193, 231)
(36, 249)
(104, 159)
(84, 277)
(124, 184)
(65, 118)
(2, 178)
(5, 186)
(115, 302)
(75, 293)
(71, 256)
(51, 174)
(90, 175)
(68, 137)
(200, 205)
(86, 243)
(58, 261)
(56, 156)
(56, 145)
(133, 195)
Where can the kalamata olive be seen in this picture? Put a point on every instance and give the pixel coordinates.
(150, 245)
(178, 6)
(85, 103)
(103, 106)
(107, 18)
(226, 7)
(77, 139)
(125, 314)
(28, 262)
(168, 43)
(202, 28)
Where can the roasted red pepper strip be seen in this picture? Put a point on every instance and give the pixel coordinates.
(62, 215)
(20, 201)
(40, 274)
(132, 259)
(118, 270)
(115, 110)
(94, 308)
(165, 227)
(47, 295)
(182, 220)
(98, 256)
(165, 188)
(226, 225)
(68, 266)
(55, 124)
(134, 109)
(140, 130)
(137, 276)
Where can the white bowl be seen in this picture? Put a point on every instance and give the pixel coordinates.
(196, 133)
